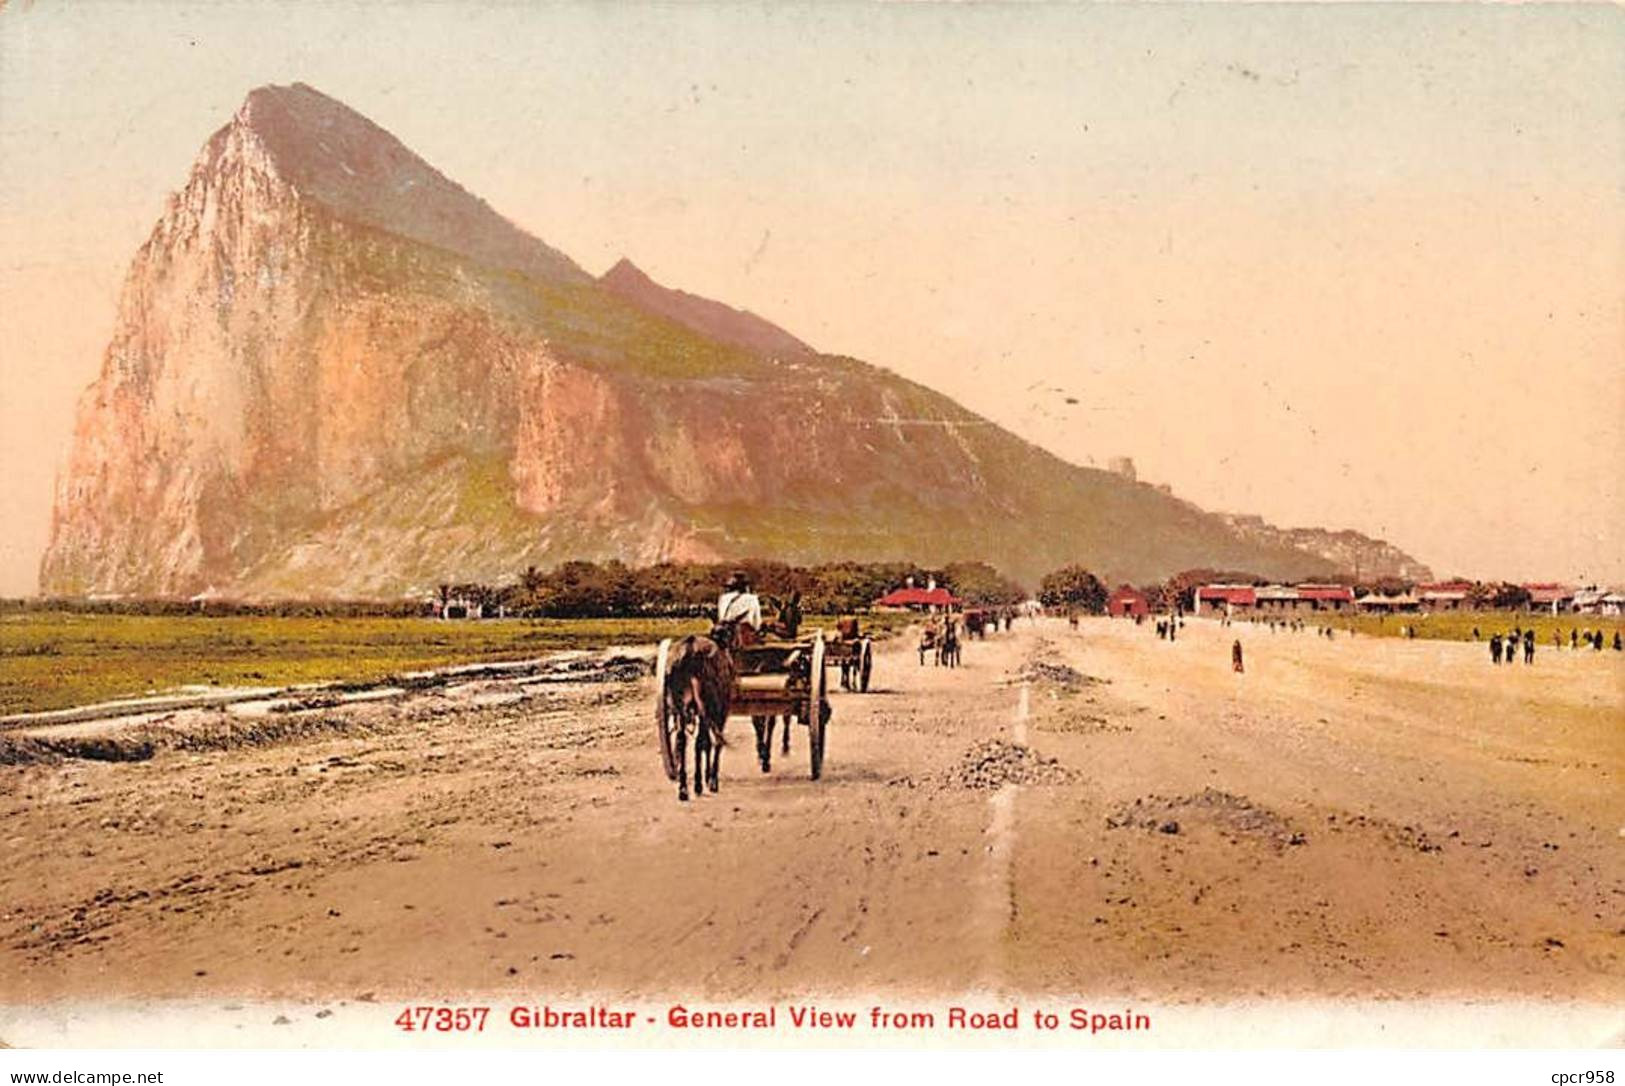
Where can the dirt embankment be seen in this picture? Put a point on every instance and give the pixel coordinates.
(116, 734)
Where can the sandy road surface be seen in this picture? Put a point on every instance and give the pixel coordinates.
(1359, 818)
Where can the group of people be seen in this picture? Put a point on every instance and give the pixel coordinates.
(1593, 638)
(1507, 651)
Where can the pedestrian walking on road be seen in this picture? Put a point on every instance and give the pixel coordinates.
(1235, 656)
(1495, 648)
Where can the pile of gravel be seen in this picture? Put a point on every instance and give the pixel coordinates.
(994, 763)
(1229, 813)
(1061, 675)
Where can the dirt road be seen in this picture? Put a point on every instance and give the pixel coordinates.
(1090, 811)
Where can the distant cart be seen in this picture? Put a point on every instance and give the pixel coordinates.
(776, 679)
(855, 657)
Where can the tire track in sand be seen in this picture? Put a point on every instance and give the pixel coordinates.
(996, 905)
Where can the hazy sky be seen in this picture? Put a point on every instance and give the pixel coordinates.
(1345, 266)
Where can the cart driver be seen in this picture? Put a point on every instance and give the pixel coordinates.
(739, 604)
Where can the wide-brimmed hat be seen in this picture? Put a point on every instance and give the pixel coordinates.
(738, 580)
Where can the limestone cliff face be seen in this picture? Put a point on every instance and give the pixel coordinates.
(336, 373)
(164, 436)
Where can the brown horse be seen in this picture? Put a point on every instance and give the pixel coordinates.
(847, 632)
(786, 620)
(948, 643)
(700, 675)
(929, 635)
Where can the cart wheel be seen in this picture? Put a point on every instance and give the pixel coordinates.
(817, 706)
(663, 712)
(867, 666)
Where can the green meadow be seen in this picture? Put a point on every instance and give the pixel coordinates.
(55, 659)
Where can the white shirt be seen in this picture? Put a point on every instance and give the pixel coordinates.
(740, 605)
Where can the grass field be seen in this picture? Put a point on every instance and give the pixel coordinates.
(52, 660)
(1459, 625)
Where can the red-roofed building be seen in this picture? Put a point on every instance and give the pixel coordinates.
(918, 599)
(1327, 597)
(1555, 598)
(1127, 601)
(1225, 598)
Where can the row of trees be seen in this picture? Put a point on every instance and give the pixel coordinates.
(583, 589)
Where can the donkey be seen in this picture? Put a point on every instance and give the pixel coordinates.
(700, 675)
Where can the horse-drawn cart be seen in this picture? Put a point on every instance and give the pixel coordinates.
(773, 678)
(855, 656)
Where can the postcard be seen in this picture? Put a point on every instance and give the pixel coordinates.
(862, 526)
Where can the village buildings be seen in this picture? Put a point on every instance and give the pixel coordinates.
(1278, 600)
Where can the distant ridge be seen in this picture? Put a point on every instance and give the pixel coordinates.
(709, 318)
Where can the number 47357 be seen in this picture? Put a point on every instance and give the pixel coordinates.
(443, 1019)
